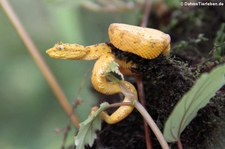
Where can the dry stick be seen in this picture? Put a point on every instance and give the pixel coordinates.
(76, 103)
(66, 130)
(39, 61)
(147, 10)
(142, 100)
(120, 104)
(179, 144)
(144, 22)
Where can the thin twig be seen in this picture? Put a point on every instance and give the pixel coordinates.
(142, 100)
(147, 10)
(66, 130)
(144, 23)
(179, 144)
(76, 103)
(39, 61)
(120, 104)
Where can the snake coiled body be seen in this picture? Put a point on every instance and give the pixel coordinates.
(144, 42)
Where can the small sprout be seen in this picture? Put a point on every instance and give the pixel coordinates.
(113, 68)
(86, 134)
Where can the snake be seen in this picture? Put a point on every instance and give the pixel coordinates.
(147, 43)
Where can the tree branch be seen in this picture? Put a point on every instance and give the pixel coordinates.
(39, 61)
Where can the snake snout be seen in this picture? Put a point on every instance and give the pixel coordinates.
(52, 53)
(48, 51)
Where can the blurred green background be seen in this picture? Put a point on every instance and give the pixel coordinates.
(29, 112)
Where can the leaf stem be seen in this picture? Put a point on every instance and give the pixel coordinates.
(120, 104)
(147, 118)
(142, 100)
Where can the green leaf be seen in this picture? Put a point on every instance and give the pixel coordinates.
(219, 42)
(198, 96)
(113, 70)
(86, 134)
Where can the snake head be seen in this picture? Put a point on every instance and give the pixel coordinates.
(67, 51)
(148, 43)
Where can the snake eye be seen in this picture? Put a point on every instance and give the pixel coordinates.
(60, 47)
